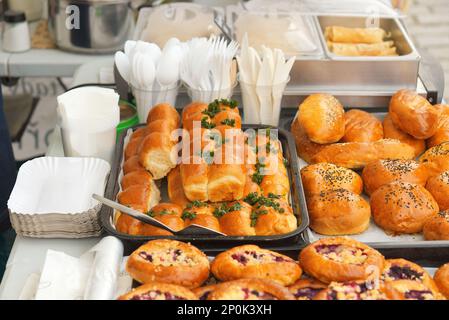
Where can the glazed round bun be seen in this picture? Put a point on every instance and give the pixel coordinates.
(145, 196)
(442, 279)
(352, 290)
(442, 133)
(409, 290)
(241, 261)
(169, 261)
(438, 186)
(238, 222)
(340, 259)
(164, 111)
(159, 291)
(204, 220)
(436, 159)
(361, 126)
(327, 176)
(413, 114)
(322, 117)
(135, 178)
(306, 289)
(305, 147)
(132, 164)
(393, 132)
(270, 221)
(436, 227)
(132, 147)
(380, 172)
(401, 269)
(402, 207)
(338, 212)
(435, 152)
(251, 289)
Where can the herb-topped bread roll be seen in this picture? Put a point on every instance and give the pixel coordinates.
(242, 261)
(413, 114)
(322, 117)
(169, 261)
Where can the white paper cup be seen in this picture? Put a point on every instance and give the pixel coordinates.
(207, 96)
(146, 99)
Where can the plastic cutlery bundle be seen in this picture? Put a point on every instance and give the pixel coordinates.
(207, 68)
(152, 72)
(263, 78)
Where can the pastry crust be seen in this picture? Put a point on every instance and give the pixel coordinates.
(327, 176)
(354, 35)
(251, 289)
(159, 291)
(356, 155)
(361, 126)
(241, 261)
(352, 290)
(306, 289)
(413, 114)
(438, 186)
(436, 227)
(392, 132)
(381, 172)
(442, 133)
(409, 290)
(322, 117)
(338, 212)
(169, 261)
(304, 146)
(340, 259)
(442, 279)
(203, 292)
(436, 159)
(402, 207)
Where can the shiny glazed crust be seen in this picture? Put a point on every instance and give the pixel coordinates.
(328, 270)
(381, 172)
(442, 279)
(401, 207)
(438, 186)
(413, 114)
(322, 117)
(442, 133)
(241, 261)
(159, 291)
(393, 132)
(251, 289)
(169, 261)
(361, 126)
(436, 227)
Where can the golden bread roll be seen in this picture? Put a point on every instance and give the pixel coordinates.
(413, 114)
(159, 291)
(327, 176)
(136, 177)
(340, 259)
(193, 112)
(274, 219)
(304, 146)
(166, 112)
(132, 164)
(438, 186)
(380, 172)
(393, 132)
(162, 126)
(322, 117)
(205, 220)
(146, 196)
(132, 147)
(251, 289)
(436, 227)
(442, 279)
(157, 154)
(442, 133)
(225, 182)
(235, 219)
(306, 289)
(338, 212)
(356, 155)
(354, 35)
(175, 189)
(352, 290)
(360, 126)
(194, 176)
(139, 133)
(277, 184)
(228, 118)
(168, 261)
(436, 159)
(402, 207)
(239, 262)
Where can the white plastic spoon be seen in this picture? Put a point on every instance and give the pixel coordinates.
(123, 65)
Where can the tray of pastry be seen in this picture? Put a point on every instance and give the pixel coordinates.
(259, 200)
(379, 175)
(329, 269)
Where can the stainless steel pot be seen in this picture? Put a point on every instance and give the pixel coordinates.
(90, 26)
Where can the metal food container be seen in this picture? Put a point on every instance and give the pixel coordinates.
(90, 26)
(214, 242)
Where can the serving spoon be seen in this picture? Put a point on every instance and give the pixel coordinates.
(193, 229)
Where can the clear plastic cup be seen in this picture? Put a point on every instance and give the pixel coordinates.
(207, 96)
(262, 104)
(146, 99)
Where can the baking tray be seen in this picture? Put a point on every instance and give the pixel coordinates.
(221, 242)
(409, 246)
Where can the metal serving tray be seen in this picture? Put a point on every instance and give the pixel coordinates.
(222, 242)
(409, 246)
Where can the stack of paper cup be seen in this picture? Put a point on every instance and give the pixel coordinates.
(88, 118)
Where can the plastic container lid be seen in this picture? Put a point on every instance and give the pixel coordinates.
(12, 16)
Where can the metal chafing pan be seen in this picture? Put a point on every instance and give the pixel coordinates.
(223, 242)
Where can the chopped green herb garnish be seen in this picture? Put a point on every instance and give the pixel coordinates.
(188, 215)
(228, 122)
(221, 210)
(196, 204)
(252, 198)
(206, 124)
(255, 216)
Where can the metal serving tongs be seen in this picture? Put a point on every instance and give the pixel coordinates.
(193, 229)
